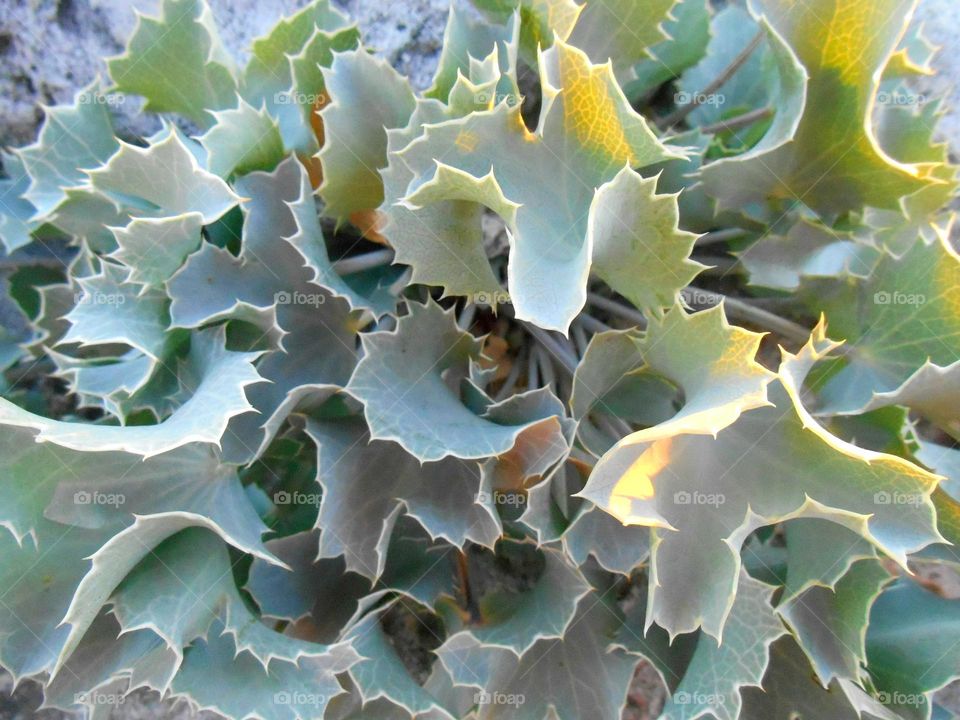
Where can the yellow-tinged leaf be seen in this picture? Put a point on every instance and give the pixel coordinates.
(833, 162)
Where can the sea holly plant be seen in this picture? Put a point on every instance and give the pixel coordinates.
(337, 397)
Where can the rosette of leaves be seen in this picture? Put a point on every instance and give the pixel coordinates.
(339, 398)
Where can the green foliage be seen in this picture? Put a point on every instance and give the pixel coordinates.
(395, 404)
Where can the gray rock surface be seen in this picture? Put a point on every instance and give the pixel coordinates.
(941, 20)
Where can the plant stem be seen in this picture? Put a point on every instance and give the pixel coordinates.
(614, 308)
(469, 601)
(566, 359)
(359, 263)
(469, 312)
(735, 123)
(616, 428)
(593, 325)
(745, 311)
(579, 337)
(533, 380)
(547, 376)
(728, 72)
(511, 381)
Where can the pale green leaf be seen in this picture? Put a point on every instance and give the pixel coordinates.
(911, 644)
(400, 381)
(539, 684)
(242, 139)
(830, 624)
(807, 250)
(309, 94)
(717, 671)
(443, 242)
(355, 147)
(638, 248)
(166, 175)
(283, 73)
(16, 213)
(907, 313)
(499, 163)
(310, 243)
(216, 394)
(74, 138)
(111, 309)
(819, 554)
(465, 42)
(617, 547)
(541, 21)
(118, 556)
(731, 29)
(914, 55)
(790, 690)
(611, 382)
(106, 665)
(797, 159)
(367, 484)
(176, 62)
(155, 248)
(318, 589)
(88, 215)
(688, 32)
(269, 283)
(705, 486)
(932, 391)
(214, 677)
(269, 66)
(621, 31)
(908, 134)
(38, 585)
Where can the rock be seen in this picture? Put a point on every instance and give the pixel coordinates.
(940, 19)
(408, 34)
